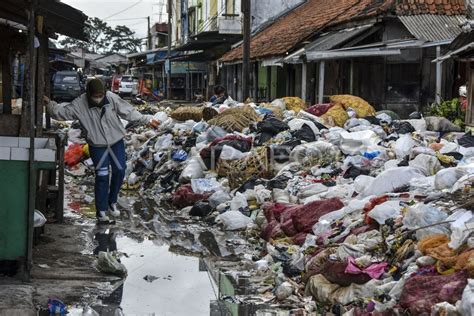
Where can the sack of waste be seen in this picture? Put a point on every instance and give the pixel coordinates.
(359, 105)
(335, 116)
(392, 179)
(294, 104)
(109, 264)
(233, 220)
(358, 143)
(186, 113)
(316, 153)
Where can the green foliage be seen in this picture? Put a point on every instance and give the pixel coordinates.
(451, 110)
(105, 39)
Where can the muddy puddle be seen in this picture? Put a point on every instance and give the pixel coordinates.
(162, 283)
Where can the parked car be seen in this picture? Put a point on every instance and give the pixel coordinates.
(128, 86)
(66, 86)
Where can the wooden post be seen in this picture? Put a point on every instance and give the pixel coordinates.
(6, 81)
(322, 65)
(438, 76)
(351, 78)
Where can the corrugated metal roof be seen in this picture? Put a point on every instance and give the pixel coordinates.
(432, 27)
(333, 39)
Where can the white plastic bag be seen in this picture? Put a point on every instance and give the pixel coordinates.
(238, 202)
(404, 145)
(219, 198)
(446, 178)
(461, 228)
(194, 170)
(39, 220)
(160, 117)
(201, 186)
(418, 124)
(233, 220)
(467, 300)
(281, 196)
(430, 165)
(357, 143)
(230, 153)
(164, 142)
(362, 182)
(384, 211)
(423, 215)
(391, 179)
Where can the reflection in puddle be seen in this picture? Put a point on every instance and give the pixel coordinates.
(179, 288)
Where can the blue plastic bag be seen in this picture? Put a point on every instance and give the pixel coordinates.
(56, 307)
(180, 155)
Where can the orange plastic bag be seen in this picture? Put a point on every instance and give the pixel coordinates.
(73, 155)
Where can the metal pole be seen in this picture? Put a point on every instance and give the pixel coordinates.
(322, 65)
(168, 60)
(438, 76)
(246, 55)
(149, 35)
(31, 101)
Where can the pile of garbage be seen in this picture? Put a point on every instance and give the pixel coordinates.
(355, 211)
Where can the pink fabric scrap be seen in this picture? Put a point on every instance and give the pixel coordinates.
(375, 270)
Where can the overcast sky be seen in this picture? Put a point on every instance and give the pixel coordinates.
(108, 8)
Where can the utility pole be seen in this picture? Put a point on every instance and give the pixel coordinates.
(149, 35)
(246, 10)
(168, 60)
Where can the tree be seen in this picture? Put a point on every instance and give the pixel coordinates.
(104, 39)
(123, 40)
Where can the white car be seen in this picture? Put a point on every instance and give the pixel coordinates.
(128, 86)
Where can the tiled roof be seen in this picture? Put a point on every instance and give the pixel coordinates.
(447, 7)
(303, 22)
(306, 20)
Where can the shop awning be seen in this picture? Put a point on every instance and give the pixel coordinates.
(208, 40)
(59, 17)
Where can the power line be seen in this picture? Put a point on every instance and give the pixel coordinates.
(129, 19)
(121, 11)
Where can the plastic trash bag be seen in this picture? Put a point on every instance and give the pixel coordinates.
(404, 145)
(316, 153)
(39, 220)
(440, 124)
(164, 142)
(202, 186)
(201, 209)
(230, 153)
(239, 202)
(215, 132)
(430, 165)
(446, 178)
(233, 220)
(108, 264)
(179, 155)
(272, 126)
(284, 290)
(423, 215)
(73, 155)
(362, 182)
(194, 169)
(384, 117)
(461, 228)
(219, 198)
(392, 179)
(384, 211)
(467, 299)
(279, 103)
(160, 117)
(358, 143)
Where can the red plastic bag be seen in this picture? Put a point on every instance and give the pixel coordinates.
(185, 196)
(73, 155)
(320, 109)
